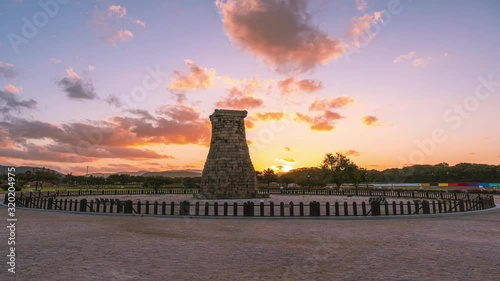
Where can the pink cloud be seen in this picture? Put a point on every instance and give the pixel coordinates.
(337, 102)
(280, 32)
(370, 120)
(291, 85)
(197, 78)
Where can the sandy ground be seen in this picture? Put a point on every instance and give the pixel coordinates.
(53, 245)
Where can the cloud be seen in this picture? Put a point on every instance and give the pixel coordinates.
(270, 116)
(71, 73)
(286, 160)
(249, 124)
(411, 56)
(180, 113)
(280, 32)
(238, 99)
(7, 70)
(370, 120)
(77, 88)
(143, 114)
(9, 101)
(123, 35)
(64, 153)
(140, 22)
(113, 100)
(109, 23)
(290, 85)
(104, 139)
(361, 5)
(404, 57)
(419, 61)
(12, 89)
(324, 122)
(351, 152)
(288, 149)
(197, 78)
(55, 61)
(91, 67)
(337, 102)
(360, 29)
(117, 11)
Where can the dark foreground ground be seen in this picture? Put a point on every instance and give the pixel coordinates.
(71, 246)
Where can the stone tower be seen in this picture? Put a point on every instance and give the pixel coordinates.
(228, 171)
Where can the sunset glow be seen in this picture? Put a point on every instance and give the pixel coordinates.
(129, 85)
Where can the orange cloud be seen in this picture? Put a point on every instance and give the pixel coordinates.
(360, 29)
(370, 120)
(289, 85)
(325, 122)
(286, 160)
(12, 89)
(281, 32)
(361, 5)
(239, 99)
(288, 149)
(351, 152)
(337, 102)
(197, 78)
(249, 124)
(270, 116)
(123, 35)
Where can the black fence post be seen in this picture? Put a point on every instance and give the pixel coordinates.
(128, 207)
(83, 204)
(51, 202)
(375, 207)
(426, 208)
(461, 205)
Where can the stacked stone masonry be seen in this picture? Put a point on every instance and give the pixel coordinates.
(228, 169)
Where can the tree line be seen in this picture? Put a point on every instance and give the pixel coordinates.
(338, 169)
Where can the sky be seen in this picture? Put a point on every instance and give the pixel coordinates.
(129, 85)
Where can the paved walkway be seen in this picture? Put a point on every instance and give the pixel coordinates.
(72, 246)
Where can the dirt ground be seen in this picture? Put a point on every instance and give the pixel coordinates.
(54, 245)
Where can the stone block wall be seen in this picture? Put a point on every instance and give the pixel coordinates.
(228, 169)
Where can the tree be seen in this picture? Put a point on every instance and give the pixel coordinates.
(355, 174)
(269, 176)
(335, 168)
